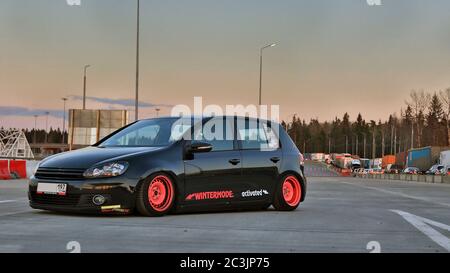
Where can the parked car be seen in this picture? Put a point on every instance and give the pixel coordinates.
(393, 169)
(411, 170)
(436, 170)
(158, 166)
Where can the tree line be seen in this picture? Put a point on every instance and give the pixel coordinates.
(424, 121)
(40, 135)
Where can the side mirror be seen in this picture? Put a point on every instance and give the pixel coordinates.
(200, 147)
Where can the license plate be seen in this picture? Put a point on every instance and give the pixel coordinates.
(51, 188)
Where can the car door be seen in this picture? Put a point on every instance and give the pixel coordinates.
(261, 159)
(213, 177)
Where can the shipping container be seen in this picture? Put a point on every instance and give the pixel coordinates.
(388, 159)
(400, 159)
(424, 158)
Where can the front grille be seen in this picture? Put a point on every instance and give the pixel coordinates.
(48, 199)
(59, 174)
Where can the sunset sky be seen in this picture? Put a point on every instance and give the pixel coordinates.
(332, 56)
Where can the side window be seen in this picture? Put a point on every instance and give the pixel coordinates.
(257, 136)
(252, 137)
(218, 132)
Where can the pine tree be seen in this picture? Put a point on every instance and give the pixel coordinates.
(434, 120)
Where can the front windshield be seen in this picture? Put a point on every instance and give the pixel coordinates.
(149, 133)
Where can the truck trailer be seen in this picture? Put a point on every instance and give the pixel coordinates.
(424, 158)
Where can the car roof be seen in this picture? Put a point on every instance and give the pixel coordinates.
(209, 117)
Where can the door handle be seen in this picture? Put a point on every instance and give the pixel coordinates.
(234, 161)
(275, 159)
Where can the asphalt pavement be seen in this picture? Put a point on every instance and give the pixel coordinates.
(340, 214)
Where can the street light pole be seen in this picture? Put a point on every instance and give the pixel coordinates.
(329, 145)
(261, 68)
(136, 103)
(346, 144)
(395, 140)
(35, 125)
(157, 112)
(365, 144)
(84, 86)
(64, 121)
(392, 139)
(46, 126)
(374, 144)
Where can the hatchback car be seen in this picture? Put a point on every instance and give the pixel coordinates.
(163, 165)
(436, 170)
(412, 170)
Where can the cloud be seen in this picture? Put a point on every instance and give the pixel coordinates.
(121, 102)
(27, 112)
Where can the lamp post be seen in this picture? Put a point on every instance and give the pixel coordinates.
(46, 126)
(136, 103)
(365, 136)
(64, 121)
(329, 144)
(157, 112)
(346, 144)
(84, 86)
(35, 125)
(392, 140)
(261, 68)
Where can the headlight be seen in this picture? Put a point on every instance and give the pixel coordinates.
(106, 170)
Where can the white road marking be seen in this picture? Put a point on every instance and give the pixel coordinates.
(421, 224)
(15, 213)
(400, 194)
(7, 201)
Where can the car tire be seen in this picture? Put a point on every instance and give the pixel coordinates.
(288, 193)
(156, 196)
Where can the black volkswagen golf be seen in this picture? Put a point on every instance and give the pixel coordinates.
(163, 165)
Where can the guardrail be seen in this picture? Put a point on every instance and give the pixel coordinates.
(437, 179)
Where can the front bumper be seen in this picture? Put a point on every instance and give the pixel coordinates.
(118, 192)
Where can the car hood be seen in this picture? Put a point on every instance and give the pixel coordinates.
(87, 157)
